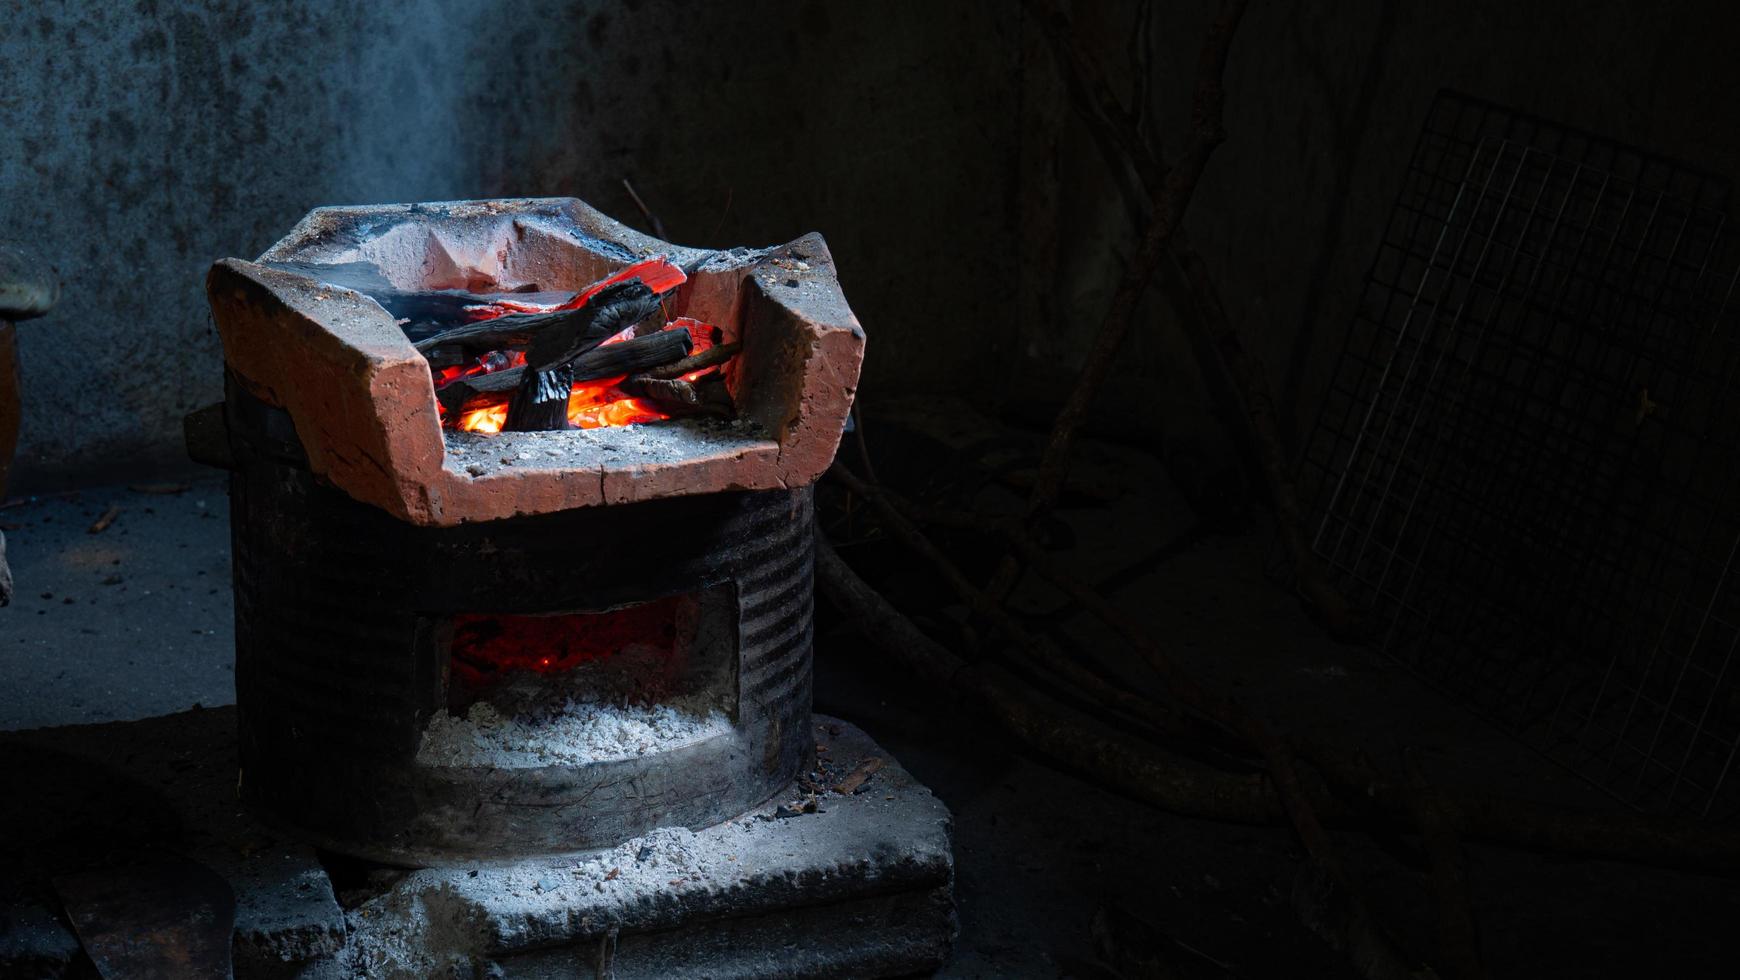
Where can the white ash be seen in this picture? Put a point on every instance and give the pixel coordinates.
(576, 732)
(657, 859)
(433, 924)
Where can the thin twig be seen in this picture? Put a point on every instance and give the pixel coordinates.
(1177, 189)
(1233, 376)
(726, 213)
(1113, 127)
(1223, 353)
(658, 227)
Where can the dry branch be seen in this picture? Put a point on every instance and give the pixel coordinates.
(1177, 188)
(608, 360)
(1223, 353)
(1346, 922)
(652, 220)
(1233, 376)
(1027, 644)
(1621, 836)
(1043, 725)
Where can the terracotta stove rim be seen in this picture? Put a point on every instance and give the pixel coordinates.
(375, 431)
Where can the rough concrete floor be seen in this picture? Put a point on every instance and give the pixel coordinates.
(1039, 853)
(129, 622)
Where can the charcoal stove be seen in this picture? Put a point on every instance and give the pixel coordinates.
(390, 567)
(467, 644)
(461, 638)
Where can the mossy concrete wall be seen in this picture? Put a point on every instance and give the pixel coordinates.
(144, 139)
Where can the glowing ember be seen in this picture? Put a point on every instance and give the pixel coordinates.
(488, 648)
(597, 404)
(488, 419)
(592, 404)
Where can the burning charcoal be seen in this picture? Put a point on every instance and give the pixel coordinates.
(607, 313)
(680, 397)
(560, 346)
(513, 330)
(453, 396)
(605, 361)
(657, 273)
(715, 397)
(540, 403)
(430, 312)
(696, 362)
(628, 356)
(507, 320)
(443, 308)
(450, 356)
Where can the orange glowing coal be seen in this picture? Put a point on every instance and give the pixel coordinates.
(593, 404)
(489, 648)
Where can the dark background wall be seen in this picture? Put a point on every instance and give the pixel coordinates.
(1324, 104)
(145, 139)
(931, 143)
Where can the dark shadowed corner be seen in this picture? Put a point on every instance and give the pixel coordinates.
(795, 489)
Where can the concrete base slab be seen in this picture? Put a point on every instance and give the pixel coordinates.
(848, 874)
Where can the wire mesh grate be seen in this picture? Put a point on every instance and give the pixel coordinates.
(1524, 468)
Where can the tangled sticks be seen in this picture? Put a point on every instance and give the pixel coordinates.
(1300, 783)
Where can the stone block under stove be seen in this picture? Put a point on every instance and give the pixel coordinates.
(846, 873)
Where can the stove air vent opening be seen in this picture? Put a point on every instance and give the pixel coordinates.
(568, 689)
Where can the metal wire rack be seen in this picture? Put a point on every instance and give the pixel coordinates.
(1527, 468)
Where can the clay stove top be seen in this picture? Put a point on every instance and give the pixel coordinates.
(362, 399)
